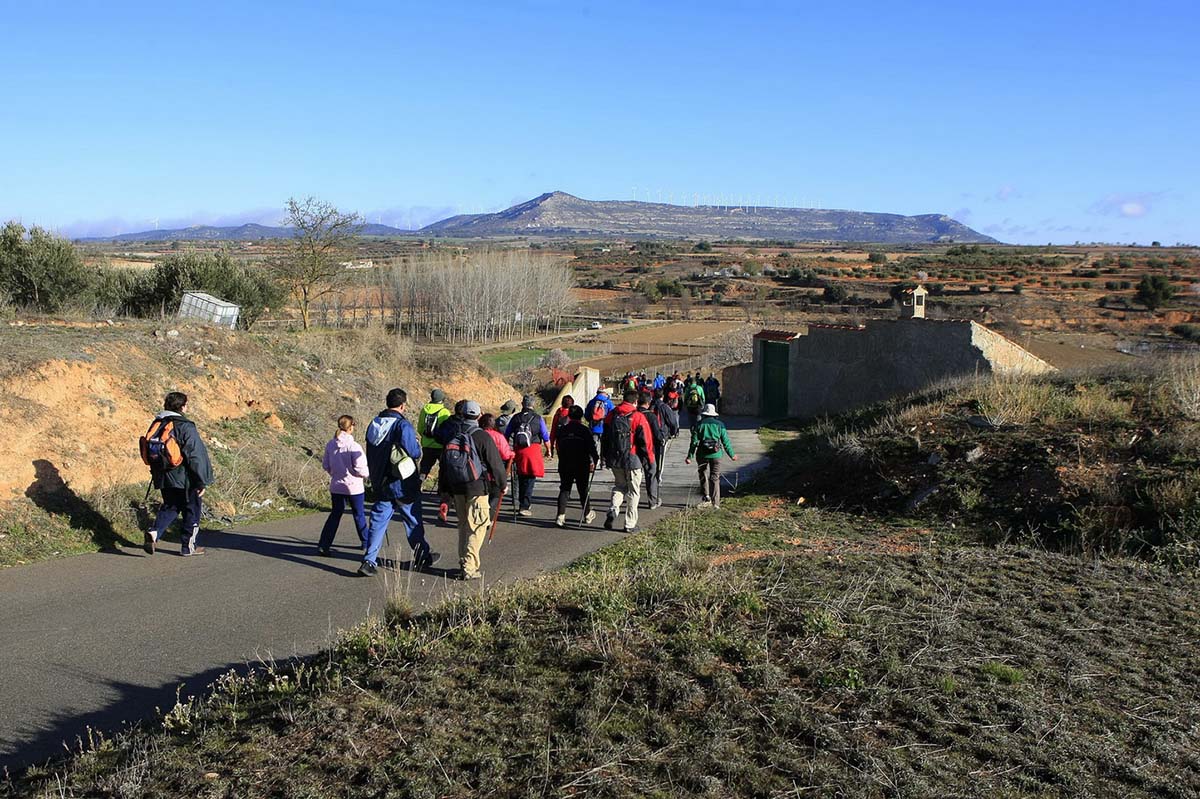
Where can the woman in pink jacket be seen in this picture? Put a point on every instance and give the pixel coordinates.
(346, 464)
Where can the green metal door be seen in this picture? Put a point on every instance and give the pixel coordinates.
(774, 379)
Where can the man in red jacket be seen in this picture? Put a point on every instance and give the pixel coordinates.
(627, 443)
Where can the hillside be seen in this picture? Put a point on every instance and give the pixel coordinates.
(561, 214)
(265, 403)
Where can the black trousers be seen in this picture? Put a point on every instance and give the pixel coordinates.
(578, 477)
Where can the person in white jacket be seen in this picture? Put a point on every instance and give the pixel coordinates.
(346, 464)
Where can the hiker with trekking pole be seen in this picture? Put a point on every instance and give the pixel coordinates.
(710, 440)
(577, 457)
(469, 458)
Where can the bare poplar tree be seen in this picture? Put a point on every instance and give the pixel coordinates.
(321, 234)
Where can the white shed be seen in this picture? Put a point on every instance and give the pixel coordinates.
(206, 307)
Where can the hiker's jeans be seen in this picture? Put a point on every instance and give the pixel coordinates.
(653, 481)
(409, 514)
(473, 525)
(525, 484)
(710, 484)
(579, 478)
(627, 484)
(339, 503)
(179, 502)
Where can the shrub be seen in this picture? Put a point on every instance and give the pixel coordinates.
(1154, 290)
(877, 258)
(1187, 331)
(1183, 384)
(41, 271)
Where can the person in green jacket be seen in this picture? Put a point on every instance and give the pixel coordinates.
(709, 440)
(432, 416)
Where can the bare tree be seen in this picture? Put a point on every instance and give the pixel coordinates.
(321, 233)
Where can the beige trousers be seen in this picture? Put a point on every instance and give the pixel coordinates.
(627, 484)
(474, 519)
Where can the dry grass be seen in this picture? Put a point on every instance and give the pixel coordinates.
(1183, 384)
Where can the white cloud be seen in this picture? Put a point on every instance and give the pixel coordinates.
(1129, 205)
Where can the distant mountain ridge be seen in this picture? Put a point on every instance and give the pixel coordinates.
(557, 213)
(560, 214)
(247, 232)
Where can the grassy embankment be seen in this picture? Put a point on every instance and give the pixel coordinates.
(78, 396)
(776, 647)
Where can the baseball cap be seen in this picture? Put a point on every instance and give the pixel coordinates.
(471, 409)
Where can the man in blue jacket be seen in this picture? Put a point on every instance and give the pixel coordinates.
(597, 410)
(397, 483)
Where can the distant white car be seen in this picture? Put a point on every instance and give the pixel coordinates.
(597, 326)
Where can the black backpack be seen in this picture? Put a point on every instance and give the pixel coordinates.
(617, 443)
(432, 422)
(461, 463)
(524, 435)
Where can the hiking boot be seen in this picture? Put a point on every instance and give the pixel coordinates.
(590, 517)
(425, 560)
(705, 503)
(608, 520)
(524, 512)
(443, 509)
(367, 569)
(560, 520)
(193, 552)
(630, 530)
(148, 541)
(463, 577)
(324, 552)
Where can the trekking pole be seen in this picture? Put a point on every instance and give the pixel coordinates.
(513, 490)
(496, 518)
(587, 501)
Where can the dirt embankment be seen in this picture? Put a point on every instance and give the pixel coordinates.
(73, 401)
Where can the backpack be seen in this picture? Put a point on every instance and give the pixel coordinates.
(523, 436)
(693, 396)
(159, 447)
(598, 412)
(461, 463)
(400, 465)
(708, 445)
(617, 443)
(432, 421)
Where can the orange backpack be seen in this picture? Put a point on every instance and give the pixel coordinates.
(159, 448)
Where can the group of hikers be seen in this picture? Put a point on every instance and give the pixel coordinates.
(480, 458)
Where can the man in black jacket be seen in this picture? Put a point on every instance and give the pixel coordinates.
(182, 486)
(577, 457)
(653, 469)
(471, 495)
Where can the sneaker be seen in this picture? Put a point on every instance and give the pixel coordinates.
(423, 562)
(443, 509)
(590, 517)
(705, 503)
(524, 512)
(656, 504)
(560, 520)
(191, 553)
(367, 569)
(630, 530)
(608, 521)
(148, 541)
(324, 552)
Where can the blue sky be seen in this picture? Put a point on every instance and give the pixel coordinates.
(1030, 121)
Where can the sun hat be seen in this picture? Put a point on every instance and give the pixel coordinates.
(709, 410)
(509, 406)
(437, 395)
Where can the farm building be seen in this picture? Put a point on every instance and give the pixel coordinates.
(833, 368)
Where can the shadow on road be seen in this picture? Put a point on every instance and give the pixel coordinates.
(50, 492)
(65, 733)
(292, 550)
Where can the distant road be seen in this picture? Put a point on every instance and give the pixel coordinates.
(518, 343)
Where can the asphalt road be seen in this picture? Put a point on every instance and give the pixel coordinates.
(98, 639)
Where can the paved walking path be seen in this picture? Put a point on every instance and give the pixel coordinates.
(96, 639)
